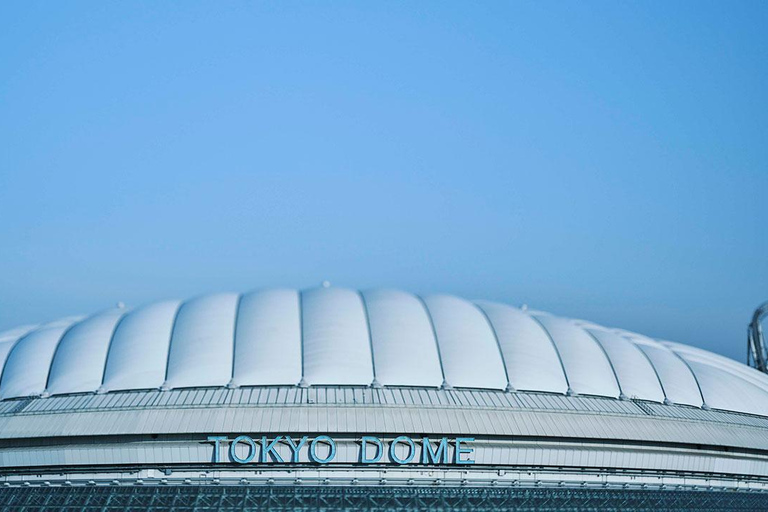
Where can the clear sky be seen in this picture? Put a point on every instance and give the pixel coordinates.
(601, 160)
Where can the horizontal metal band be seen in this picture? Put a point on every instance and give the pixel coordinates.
(362, 396)
(491, 456)
(366, 419)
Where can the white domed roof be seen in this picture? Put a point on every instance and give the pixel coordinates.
(335, 336)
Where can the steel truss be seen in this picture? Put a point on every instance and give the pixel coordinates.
(328, 498)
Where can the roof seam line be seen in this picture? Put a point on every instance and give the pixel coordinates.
(234, 336)
(170, 342)
(370, 333)
(16, 344)
(653, 366)
(695, 378)
(434, 335)
(300, 296)
(554, 345)
(109, 347)
(607, 358)
(58, 344)
(498, 343)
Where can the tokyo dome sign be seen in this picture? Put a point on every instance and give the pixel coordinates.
(323, 449)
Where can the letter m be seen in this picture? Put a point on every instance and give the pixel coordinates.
(440, 456)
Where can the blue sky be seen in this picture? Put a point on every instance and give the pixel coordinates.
(602, 160)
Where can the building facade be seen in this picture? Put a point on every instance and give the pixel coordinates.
(338, 399)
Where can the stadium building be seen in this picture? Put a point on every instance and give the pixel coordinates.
(331, 398)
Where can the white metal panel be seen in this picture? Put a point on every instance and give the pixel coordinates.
(569, 458)
(9, 338)
(337, 348)
(26, 370)
(325, 419)
(678, 381)
(268, 339)
(531, 359)
(78, 363)
(139, 350)
(468, 348)
(745, 372)
(14, 334)
(201, 347)
(636, 375)
(5, 349)
(404, 346)
(587, 367)
(724, 390)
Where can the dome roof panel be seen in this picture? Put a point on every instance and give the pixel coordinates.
(27, 364)
(13, 335)
(78, 362)
(587, 367)
(529, 355)
(635, 373)
(202, 343)
(724, 390)
(138, 352)
(337, 346)
(743, 371)
(469, 351)
(677, 378)
(268, 339)
(339, 337)
(404, 345)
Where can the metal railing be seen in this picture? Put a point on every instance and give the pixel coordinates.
(757, 352)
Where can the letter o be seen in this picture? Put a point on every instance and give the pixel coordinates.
(393, 454)
(313, 449)
(251, 452)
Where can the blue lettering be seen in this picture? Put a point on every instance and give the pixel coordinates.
(267, 448)
(363, 450)
(433, 451)
(459, 450)
(393, 447)
(217, 446)
(435, 457)
(296, 447)
(313, 450)
(251, 450)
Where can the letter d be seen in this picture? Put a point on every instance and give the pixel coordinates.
(363, 449)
